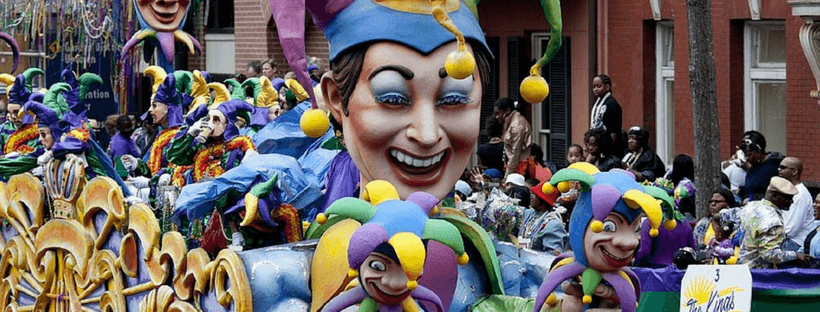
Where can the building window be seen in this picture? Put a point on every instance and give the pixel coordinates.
(764, 104)
(541, 117)
(665, 91)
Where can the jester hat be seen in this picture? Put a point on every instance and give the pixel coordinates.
(349, 23)
(45, 116)
(401, 224)
(231, 110)
(75, 96)
(167, 94)
(20, 87)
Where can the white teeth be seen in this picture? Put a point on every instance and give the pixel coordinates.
(416, 162)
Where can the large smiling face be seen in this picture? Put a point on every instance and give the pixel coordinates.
(407, 124)
(163, 15)
(383, 279)
(615, 246)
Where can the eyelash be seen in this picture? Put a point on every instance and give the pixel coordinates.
(393, 99)
(454, 99)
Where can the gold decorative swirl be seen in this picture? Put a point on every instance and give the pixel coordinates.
(65, 266)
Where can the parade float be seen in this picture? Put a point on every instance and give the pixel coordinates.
(83, 234)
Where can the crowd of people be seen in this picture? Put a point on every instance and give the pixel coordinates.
(762, 214)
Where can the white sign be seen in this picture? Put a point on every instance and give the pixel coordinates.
(716, 288)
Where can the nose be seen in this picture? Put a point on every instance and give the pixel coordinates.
(395, 281)
(626, 241)
(425, 128)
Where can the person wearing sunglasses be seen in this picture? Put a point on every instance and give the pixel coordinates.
(798, 219)
(762, 165)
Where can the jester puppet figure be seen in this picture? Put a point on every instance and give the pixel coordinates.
(604, 234)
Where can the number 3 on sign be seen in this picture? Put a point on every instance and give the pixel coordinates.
(717, 275)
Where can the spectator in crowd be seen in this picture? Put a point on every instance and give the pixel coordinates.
(121, 143)
(538, 156)
(514, 179)
(761, 166)
(269, 69)
(704, 230)
(575, 154)
(144, 135)
(798, 218)
(491, 154)
(733, 168)
(543, 227)
(606, 112)
(599, 147)
(641, 160)
(682, 177)
(517, 138)
(762, 226)
(721, 246)
(811, 245)
(254, 69)
(315, 74)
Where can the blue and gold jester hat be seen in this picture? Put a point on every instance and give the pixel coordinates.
(423, 25)
(19, 88)
(602, 193)
(401, 224)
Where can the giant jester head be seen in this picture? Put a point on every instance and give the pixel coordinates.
(162, 15)
(605, 224)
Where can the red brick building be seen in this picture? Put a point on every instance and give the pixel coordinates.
(763, 78)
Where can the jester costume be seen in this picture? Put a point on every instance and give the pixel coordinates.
(23, 140)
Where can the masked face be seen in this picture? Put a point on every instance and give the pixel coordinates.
(13, 111)
(159, 112)
(406, 124)
(273, 112)
(383, 279)
(46, 138)
(163, 15)
(217, 122)
(615, 246)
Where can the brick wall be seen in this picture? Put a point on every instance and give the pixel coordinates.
(257, 39)
(198, 61)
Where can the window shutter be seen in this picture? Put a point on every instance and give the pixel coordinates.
(491, 92)
(517, 65)
(558, 101)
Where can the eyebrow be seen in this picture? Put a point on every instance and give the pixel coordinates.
(386, 259)
(619, 218)
(442, 73)
(403, 71)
